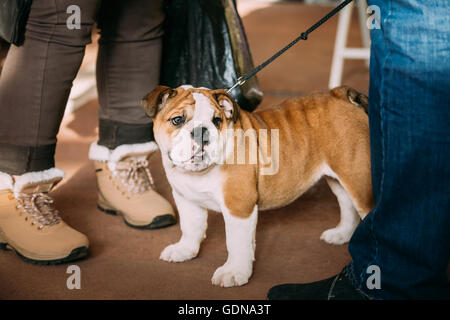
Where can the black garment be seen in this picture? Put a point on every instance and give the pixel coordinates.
(13, 15)
(335, 288)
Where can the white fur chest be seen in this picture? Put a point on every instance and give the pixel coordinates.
(204, 189)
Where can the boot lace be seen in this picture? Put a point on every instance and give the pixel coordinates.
(135, 175)
(38, 206)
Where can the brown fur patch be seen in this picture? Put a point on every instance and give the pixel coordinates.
(317, 130)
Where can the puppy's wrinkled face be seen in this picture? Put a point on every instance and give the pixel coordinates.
(190, 123)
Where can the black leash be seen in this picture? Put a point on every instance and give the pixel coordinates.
(304, 36)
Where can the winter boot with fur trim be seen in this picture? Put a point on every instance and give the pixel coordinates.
(31, 226)
(125, 186)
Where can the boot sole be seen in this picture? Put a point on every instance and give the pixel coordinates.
(158, 222)
(76, 254)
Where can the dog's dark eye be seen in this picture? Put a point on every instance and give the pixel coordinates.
(177, 121)
(217, 121)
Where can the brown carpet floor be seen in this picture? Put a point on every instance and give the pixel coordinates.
(124, 262)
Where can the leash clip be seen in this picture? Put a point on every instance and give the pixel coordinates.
(240, 82)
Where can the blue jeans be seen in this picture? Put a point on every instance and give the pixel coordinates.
(407, 235)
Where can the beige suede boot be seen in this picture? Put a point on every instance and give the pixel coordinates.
(125, 186)
(31, 226)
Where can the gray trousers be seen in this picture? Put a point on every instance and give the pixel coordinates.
(37, 77)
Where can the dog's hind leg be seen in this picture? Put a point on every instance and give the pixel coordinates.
(349, 216)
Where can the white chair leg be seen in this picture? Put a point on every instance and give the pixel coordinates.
(339, 46)
(341, 51)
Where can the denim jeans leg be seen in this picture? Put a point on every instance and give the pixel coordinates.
(407, 235)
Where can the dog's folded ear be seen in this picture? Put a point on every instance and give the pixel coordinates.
(229, 106)
(155, 100)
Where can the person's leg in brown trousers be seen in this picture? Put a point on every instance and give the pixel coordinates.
(128, 67)
(34, 86)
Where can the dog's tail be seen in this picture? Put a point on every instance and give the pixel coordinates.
(349, 94)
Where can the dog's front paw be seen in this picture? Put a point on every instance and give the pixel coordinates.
(336, 236)
(231, 276)
(178, 252)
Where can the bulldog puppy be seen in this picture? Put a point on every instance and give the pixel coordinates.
(221, 158)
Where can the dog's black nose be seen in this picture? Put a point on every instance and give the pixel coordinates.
(200, 135)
